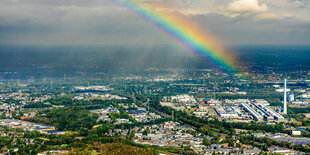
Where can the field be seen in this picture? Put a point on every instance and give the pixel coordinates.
(307, 115)
(115, 148)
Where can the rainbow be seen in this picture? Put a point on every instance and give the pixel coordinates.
(184, 31)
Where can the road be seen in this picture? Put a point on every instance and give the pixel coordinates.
(161, 113)
(146, 104)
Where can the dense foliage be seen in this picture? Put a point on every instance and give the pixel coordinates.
(37, 105)
(74, 118)
(298, 110)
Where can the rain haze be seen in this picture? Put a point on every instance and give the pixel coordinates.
(82, 27)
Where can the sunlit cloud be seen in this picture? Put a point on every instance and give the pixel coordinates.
(247, 6)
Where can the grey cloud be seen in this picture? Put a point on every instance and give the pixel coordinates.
(247, 30)
(102, 22)
(301, 3)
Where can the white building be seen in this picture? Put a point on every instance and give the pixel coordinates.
(296, 133)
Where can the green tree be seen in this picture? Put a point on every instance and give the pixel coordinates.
(206, 142)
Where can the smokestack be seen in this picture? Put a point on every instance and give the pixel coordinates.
(284, 100)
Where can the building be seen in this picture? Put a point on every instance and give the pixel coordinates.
(254, 151)
(296, 133)
(268, 113)
(280, 150)
(226, 112)
(166, 104)
(251, 111)
(261, 101)
(290, 97)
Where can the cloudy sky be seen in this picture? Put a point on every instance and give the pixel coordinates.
(103, 22)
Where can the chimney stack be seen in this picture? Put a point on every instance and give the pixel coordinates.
(284, 100)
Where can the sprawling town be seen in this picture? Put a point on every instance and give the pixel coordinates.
(167, 115)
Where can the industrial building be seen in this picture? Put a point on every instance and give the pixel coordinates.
(262, 112)
(262, 101)
(226, 112)
(290, 97)
(268, 113)
(250, 110)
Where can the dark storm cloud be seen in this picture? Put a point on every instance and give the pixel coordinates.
(102, 22)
